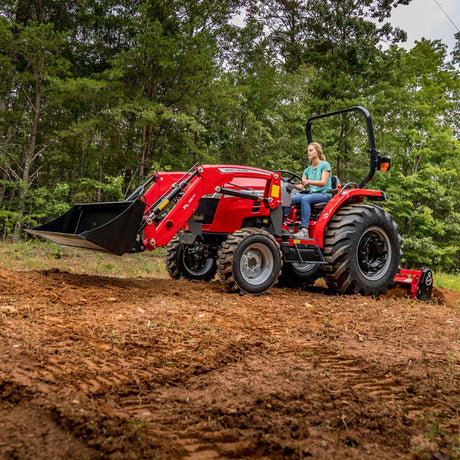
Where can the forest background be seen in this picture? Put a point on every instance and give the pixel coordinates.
(97, 94)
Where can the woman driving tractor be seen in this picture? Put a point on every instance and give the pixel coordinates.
(318, 177)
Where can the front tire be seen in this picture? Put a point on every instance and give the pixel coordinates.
(189, 261)
(362, 248)
(249, 261)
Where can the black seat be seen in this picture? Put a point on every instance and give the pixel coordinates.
(335, 182)
(318, 207)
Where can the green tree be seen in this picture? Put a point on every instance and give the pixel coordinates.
(33, 59)
(168, 75)
(413, 123)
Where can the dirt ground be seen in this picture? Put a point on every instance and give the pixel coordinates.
(104, 367)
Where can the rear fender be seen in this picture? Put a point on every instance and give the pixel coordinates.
(345, 197)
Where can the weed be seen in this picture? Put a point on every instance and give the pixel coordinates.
(139, 424)
(432, 421)
(307, 354)
(434, 429)
(286, 372)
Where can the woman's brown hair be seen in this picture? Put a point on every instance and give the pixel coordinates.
(319, 149)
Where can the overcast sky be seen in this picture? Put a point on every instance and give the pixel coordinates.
(425, 19)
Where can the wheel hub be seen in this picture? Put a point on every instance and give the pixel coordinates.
(195, 259)
(252, 263)
(374, 253)
(256, 263)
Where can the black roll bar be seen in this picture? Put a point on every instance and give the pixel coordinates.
(374, 153)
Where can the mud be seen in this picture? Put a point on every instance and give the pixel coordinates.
(103, 367)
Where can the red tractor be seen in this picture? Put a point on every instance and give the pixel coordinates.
(230, 219)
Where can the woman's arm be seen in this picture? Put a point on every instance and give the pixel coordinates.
(319, 183)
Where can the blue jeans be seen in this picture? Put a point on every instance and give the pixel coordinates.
(306, 200)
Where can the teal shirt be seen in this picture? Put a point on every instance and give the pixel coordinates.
(315, 174)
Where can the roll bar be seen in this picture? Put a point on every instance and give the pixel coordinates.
(375, 159)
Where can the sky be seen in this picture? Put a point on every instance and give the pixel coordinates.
(425, 19)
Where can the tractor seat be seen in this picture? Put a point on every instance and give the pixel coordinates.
(336, 185)
(318, 207)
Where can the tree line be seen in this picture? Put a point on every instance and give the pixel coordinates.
(97, 94)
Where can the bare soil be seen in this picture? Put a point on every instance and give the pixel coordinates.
(104, 367)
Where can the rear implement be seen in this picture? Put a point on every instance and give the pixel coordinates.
(419, 282)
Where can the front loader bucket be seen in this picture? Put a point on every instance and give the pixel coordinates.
(110, 227)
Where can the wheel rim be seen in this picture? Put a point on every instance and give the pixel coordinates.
(256, 264)
(303, 267)
(195, 262)
(374, 253)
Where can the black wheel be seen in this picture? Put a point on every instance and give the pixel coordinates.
(249, 261)
(298, 274)
(362, 248)
(189, 261)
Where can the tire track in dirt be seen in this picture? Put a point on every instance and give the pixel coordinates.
(144, 368)
(353, 382)
(234, 427)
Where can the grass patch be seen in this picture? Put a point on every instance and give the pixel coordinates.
(44, 255)
(447, 281)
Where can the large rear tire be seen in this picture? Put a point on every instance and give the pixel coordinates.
(249, 261)
(362, 248)
(189, 261)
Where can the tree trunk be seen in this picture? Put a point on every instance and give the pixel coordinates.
(100, 175)
(29, 157)
(3, 177)
(341, 147)
(142, 162)
(415, 165)
(148, 152)
(147, 143)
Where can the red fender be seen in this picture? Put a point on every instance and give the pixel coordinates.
(342, 198)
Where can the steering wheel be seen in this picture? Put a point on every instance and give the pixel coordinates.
(289, 176)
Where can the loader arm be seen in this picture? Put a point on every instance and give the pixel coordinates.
(171, 201)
